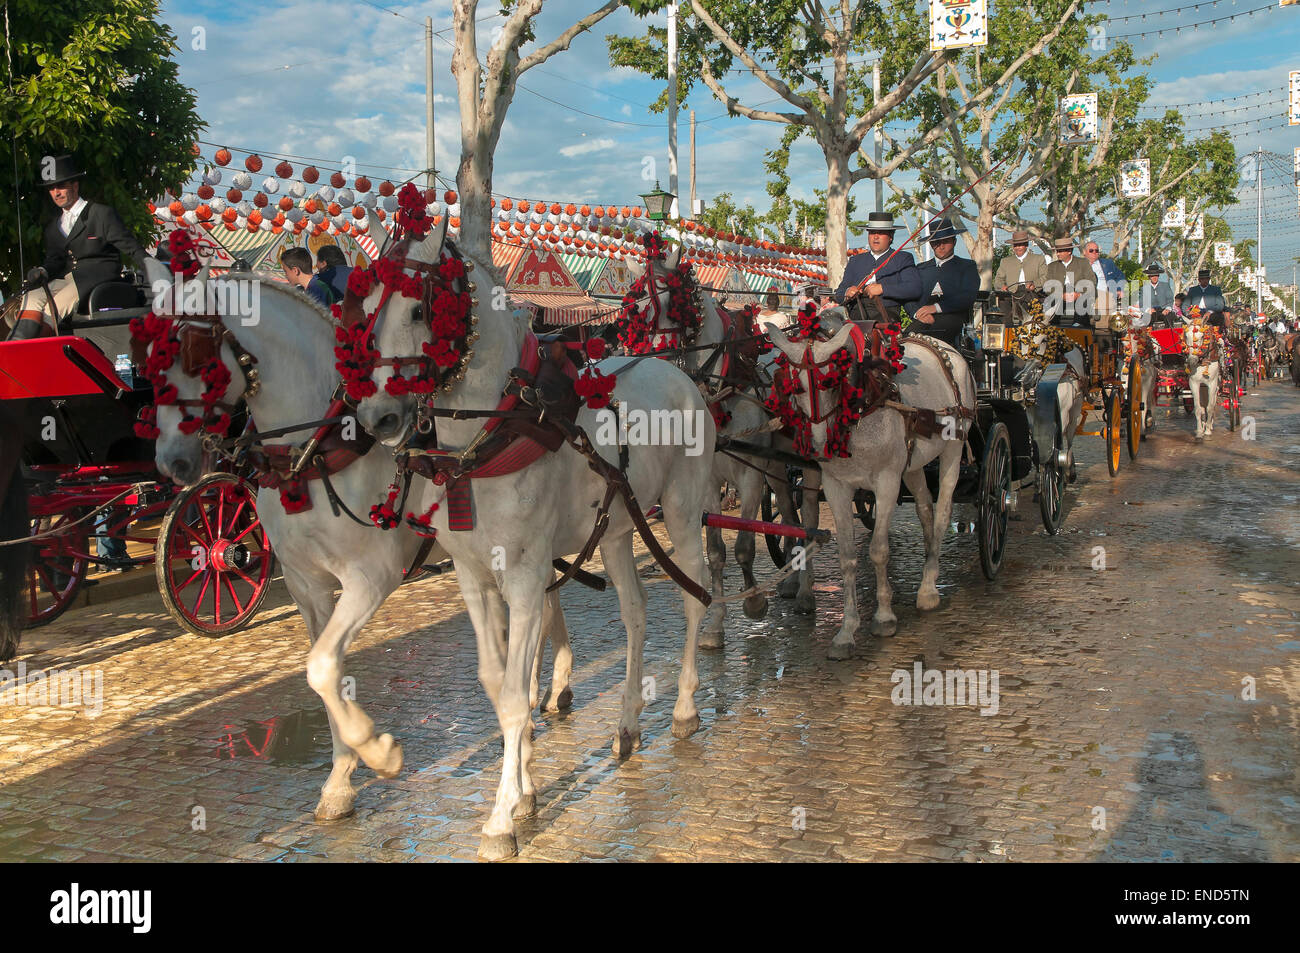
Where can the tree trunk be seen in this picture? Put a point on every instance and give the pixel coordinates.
(982, 251)
(474, 185)
(837, 215)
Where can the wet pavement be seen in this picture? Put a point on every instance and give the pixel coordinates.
(1147, 710)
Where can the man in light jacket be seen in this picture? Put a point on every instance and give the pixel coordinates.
(1022, 268)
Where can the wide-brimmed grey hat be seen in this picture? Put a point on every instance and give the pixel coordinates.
(941, 229)
(881, 222)
(1154, 270)
(1064, 243)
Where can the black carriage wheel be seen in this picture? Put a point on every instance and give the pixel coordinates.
(1051, 487)
(866, 512)
(779, 548)
(1135, 411)
(995, 487)
(56, 569)
(214, 563)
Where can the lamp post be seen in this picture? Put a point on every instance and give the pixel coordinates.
(657, 203)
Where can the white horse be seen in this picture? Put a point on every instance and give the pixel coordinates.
(525, 519)
(747, 420)
(879, 461)
(1203, 374)
(1139, 341)
(292, 339)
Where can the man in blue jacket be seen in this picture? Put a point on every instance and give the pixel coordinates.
(949, 285)
(894, 279)
(1110, 281)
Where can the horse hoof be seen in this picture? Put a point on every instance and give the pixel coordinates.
(839, 651)
(625, 743)
(497, 847)
(562, 702)
(388, 764)
(756, 606)
(685, 727)
(927, 601)
(788, 588)
(711, 639)
(805, 603)
(884, 627)
(527, 806)
(335, 807)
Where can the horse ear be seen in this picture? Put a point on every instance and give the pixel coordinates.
(777, 337)
(636, 268)
(380, 235)
(431, 247)
(673, 258)
(822, 350)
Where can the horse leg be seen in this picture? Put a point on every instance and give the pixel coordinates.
(927, 598)
(840, 499)
(559, 696)
(616, 554)
(713, 635)
(788, 587)
(1211, 403)
(360, 599)
(751, 487)
(313, 594)
(487, 614)
(884, 622)
(804, 601)
(684, 531)
(524, 592)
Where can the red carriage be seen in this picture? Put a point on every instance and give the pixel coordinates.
(89, 475)
(1172, 380)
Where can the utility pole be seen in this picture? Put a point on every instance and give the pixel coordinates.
(690, 212)
(429, 182)
(1259, 221)
(879, 133)
(1140, 256)
(672, 106)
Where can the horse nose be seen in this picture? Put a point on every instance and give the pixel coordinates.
(182, 470)
(389, 425)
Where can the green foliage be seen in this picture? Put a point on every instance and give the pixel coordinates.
(95, 79)
(724, 214)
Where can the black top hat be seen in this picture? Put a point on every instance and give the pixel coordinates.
(59, 169)
(1203, 273)
(1154, 269)
(881, 222)
(940, 230)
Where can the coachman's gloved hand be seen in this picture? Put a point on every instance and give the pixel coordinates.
(37, 275)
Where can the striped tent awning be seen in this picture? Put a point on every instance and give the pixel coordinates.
(585, 269)
(505, 256)
(566, 309)
(711, 276)
(761, 283)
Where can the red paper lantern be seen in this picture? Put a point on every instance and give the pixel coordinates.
(362, 184)
(260, 200)
(234, 195)
(335, 208)
(358, 211)
(507, 205)
(222, 157)
(205, 191)
(285, 203)
(310, 174)
(203, 212)
(253, 163)
(449, 197)
(386, 188)
(337, 180)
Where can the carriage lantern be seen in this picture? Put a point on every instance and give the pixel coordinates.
(657, 203)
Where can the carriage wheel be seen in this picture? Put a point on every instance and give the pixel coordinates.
(1234, 397)
(866, 510)
(1135, 412)
(1113, 416)
(214, 562)
(780, 547)
(1051, 486)
(995, 490)
(57, 567)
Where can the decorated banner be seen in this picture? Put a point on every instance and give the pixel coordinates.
(1293, 115)
(1175, 215)
(1079, 118)
(1197, 230)
(957, 23)
(1224, 255)
(1135, 179)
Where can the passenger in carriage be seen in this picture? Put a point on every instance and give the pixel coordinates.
(1070, 285)
(83, 248)
(950, 284)
(894, 278)
(296, 265)
(1207, 297)
(332, 269)
(1022, 269)
(1156, 301)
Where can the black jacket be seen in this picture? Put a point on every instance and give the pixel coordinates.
(92, 253)
(959, 280)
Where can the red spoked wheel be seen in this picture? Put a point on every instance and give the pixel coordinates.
(57, 567)
(214, 563)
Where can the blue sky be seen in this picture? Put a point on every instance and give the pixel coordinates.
(354, 86)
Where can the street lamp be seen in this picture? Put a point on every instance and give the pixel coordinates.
(657, 203)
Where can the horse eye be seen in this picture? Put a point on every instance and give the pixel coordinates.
(417, 313)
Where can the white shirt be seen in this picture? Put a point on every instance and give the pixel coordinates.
(1096, 270)
(939, 263)
(1021, 259)
(70, 215)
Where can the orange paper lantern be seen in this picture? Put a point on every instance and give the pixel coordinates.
(222, 157)
(253, 163)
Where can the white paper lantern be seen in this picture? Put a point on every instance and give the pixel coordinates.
(345, 197)
(190, 201)
(317, 217)
(245, 208)
(266, 225)
(270, 185)
(296, 190)
(390, 203)
(217, 204)
(242, 180)
(326, 193)
(294, 214)
(368, 200)
(212, 177)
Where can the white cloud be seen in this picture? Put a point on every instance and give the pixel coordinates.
(582, 148)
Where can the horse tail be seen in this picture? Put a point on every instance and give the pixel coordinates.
(14, 524)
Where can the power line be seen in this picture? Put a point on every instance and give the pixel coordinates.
(1193, 26)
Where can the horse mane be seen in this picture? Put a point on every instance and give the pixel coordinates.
(320, 310)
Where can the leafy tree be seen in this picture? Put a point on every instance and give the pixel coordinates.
(724, 214)
(818, 61)
(94, 79)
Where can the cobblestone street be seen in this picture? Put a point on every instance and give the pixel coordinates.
(1121, 731)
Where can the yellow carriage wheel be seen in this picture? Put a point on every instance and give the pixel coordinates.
(1135, 412)
(1114, 417)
